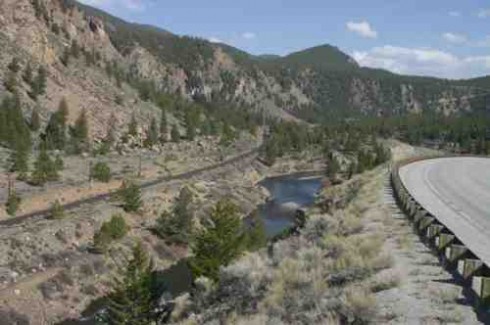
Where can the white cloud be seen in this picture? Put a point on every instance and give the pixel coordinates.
(133, 5)
(455, 38)
(215, 40)
(249, 35)
(362, 28)
(423, 61)
(484, 13)
(454, 14)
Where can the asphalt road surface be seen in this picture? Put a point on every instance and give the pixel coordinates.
(457, 192)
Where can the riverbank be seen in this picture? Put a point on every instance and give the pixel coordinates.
(46, 272)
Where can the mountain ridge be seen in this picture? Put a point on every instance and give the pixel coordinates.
(318, 83)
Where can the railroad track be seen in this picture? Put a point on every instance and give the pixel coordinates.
(42, 214)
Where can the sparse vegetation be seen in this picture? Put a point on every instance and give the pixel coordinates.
(219, 243)
(130, 195)
(13, 203)
(114, 229)
(176, 226)
(101, 172)
(57, 210)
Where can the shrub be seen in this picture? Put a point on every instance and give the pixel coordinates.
(13, 203)
(176, 226)
(116, 227)
(220, 242)
(101, 172)
(130, 195)
(113, 229)
(57, 210)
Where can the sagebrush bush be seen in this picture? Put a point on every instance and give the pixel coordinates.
(101, 172)
(57, 210)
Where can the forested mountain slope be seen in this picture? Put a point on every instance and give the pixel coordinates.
(112, 68)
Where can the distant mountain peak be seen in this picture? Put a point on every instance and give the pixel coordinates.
(322, 57)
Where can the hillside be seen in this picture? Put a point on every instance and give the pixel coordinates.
(120, 69)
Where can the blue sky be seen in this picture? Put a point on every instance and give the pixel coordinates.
(444, 38)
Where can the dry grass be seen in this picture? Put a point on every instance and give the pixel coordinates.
(386, 281)
(320, 276)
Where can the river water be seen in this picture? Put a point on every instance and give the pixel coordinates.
(287, 195)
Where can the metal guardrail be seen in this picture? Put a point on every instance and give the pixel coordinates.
(452, 252)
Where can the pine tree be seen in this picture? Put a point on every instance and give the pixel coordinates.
(55, 133)
(163, 126)
(133, 126)
(152, 134)
(65, 57)
(176, 226)
(256, 234)
(44, 168)
(130, 302)
(19, 161)
(39, 84)
(130, 195)
(79, 134)
(175, 134)
(35, 120)
(14, 65)
(227, 135)
(190, 124)
(13, 203)
(219, 243)
(10, 82)
(75, 49)
(57, 210)
(27, 76)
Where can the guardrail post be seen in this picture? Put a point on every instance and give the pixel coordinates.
(481, 286)
(443, 240)
(433, 231)
(468, 267)
(455, 252)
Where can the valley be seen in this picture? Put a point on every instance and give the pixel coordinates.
(148, 177)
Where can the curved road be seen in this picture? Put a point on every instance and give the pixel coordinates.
(457, 192)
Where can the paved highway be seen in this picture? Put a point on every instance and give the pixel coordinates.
(457, 192)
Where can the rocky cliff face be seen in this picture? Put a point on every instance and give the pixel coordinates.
(41, 32)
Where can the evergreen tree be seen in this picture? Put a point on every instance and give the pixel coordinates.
(75, 49)
(13, 203)
(10, 82)
(333, 168)
(133, 126)
(191, 121)
(176, 226)
(14, 131)
(227, 135)
(57, 210)
(65, 57)
(130, 302)
(19, 161)
(55, 133)
(220, 242)
(27, 76)
(256, 234)
(38, 86)
(35, 120)
(14, 65)
(79, 134)
(163, 126)
(175, 134)
(44, 168)
(130, 195)
(152, 134)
